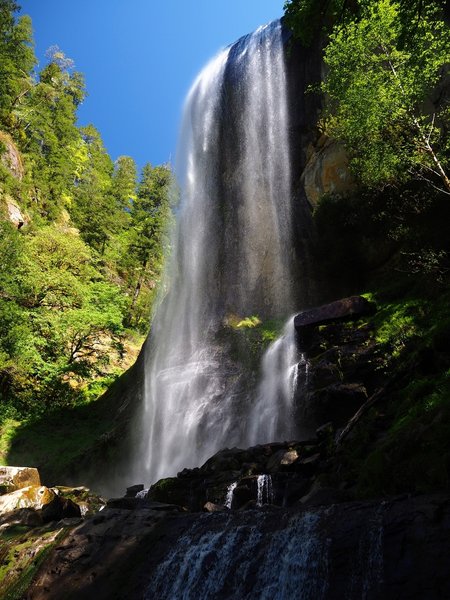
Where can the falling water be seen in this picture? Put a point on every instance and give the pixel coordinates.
(229, 496)
(231, 255)
(265, 490)
(277, 389)
(218, 559)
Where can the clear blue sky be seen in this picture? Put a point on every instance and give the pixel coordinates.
(139, 58)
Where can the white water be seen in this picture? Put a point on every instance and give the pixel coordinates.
(245, 561)
(272, 417)
(232, 254)
(265, 490)
(229, 496)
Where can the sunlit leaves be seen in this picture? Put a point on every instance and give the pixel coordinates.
(379, 92)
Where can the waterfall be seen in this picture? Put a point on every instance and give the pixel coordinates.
(231, 255)
(277, 389)
(219, 558)
(265, 490)
(229, 496)
(271, 554)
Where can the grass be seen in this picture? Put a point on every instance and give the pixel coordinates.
(8, 430)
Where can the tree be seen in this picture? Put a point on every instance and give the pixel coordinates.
(123, 185)
(17, 61)
(59, 317)
(94, 210)
(150, 217)
(380, 94)
(309, 19)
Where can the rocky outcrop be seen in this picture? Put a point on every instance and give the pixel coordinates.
(23, 500)
(15, 215)
(339, 311)
(10, 156)
(11, 159)
(279, 474)
(327, 170)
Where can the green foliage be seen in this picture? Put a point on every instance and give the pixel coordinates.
(251, 322)
(402, 444)
(60, 319)
(17, 60)
(88, 263)
(377, 85)
(147, 240)
(308, 18)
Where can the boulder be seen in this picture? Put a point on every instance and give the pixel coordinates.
(282, 458)
(88, 502)
(15, 215)
(346, 309)
(32, 496)
(60, 508)
(28, 517)
(16, 478)
(47, 502)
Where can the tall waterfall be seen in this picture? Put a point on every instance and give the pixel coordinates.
(231, 255)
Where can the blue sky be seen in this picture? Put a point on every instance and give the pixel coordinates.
(139, 58)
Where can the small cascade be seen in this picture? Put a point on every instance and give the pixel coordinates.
(273, 414)
(265, 490)
(304, 366)
(229, 496)
(220, 554)
(142, 495)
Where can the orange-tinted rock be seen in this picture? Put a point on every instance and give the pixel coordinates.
(15, 478)
(327, 171)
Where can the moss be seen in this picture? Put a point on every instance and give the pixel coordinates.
(23, 552)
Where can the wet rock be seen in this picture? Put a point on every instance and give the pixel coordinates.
(133, 490)
(282, 458)
(397, 548)
(125, 503)
(133, 503)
